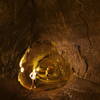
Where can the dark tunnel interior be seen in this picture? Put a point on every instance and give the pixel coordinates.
(49, 50)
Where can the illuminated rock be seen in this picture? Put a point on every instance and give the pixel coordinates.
(42, 67)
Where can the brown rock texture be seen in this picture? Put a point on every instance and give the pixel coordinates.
(74, 25)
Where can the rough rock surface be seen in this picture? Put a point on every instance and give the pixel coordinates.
(73, 24)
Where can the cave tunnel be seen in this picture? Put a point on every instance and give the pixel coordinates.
(49, 50)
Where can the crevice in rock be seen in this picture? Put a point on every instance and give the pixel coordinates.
(83, 57)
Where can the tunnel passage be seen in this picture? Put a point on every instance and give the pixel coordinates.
(44, 67)
(77, 19)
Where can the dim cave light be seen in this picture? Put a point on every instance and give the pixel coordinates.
(43, 71)
(22, 69)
